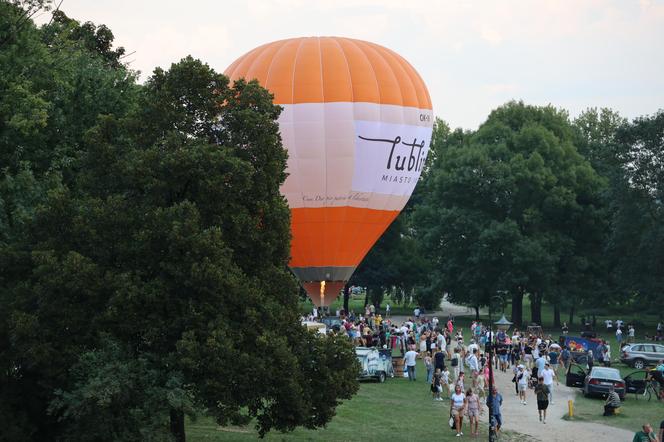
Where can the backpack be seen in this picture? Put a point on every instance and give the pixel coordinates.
(455, 360)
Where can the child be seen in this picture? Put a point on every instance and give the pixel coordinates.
(460, 381)
(428, 363)
(445, 381)
(436, 387)
(481, 384)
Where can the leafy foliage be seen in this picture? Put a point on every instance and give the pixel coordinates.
(144, 245)
(511, 207)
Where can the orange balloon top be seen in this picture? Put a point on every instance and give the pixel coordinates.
(332, 69)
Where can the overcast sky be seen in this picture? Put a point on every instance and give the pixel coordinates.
(473, 55)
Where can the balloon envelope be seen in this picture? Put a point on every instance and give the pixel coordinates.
(357, 122)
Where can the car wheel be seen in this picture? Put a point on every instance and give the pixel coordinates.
(639, 364)
(381, 377)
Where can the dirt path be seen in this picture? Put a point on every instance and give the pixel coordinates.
(446, 308)
(524, 418)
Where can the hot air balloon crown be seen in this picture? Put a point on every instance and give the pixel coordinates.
(357, 124)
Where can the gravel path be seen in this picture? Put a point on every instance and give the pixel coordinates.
(524, 418)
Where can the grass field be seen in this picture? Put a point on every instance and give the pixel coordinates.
(397, 410)
(633, 412)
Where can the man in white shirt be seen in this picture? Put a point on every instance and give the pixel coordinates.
(548, 374)
(410, 359)
(473, 346)
(440, 341)
(609, 324)
(474, 366)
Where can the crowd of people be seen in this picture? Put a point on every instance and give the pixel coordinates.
(457, 361)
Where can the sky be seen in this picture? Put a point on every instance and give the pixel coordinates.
(473, 55)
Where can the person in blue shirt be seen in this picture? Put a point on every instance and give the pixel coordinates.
(539, 366)
(496, 400)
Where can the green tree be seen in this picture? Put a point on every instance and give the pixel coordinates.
(146, 245)
(637, 239)
(507, 209)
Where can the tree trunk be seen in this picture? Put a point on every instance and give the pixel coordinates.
(556, 315)
(366, 298)
(177, 425)
(571, 315)
(346, 298)
(536, 308)
(477, 312)
(517, 307)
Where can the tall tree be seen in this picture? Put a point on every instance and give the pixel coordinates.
(506, 208)
(147, 245)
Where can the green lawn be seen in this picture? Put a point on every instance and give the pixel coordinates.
(396, 410)
(633, 412)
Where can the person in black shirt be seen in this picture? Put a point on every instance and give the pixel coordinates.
(439, 360)
(516, 354)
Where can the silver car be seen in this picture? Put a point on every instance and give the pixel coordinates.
(641, 355)
(601, 379)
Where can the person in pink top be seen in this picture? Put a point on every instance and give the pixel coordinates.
(450, 326)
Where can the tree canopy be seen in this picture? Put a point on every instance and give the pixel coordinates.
(144, 245)
(511, 207)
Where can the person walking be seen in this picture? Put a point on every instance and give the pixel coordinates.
(410, 359)
(565, 357)
(473, 411)
(619, 336)
(542, 393)
(549, 375)
(439, 359)
(515, 371)
(522, 382)
(540, 363)
(474, 366)
(455, 363)
(457, 408)
(496, 401)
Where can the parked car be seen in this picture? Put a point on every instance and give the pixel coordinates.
(641, 355)
(598, 381)
(317, 326)
(374, 364)
(332, 322)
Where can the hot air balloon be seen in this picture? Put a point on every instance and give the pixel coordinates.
(356, 121)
